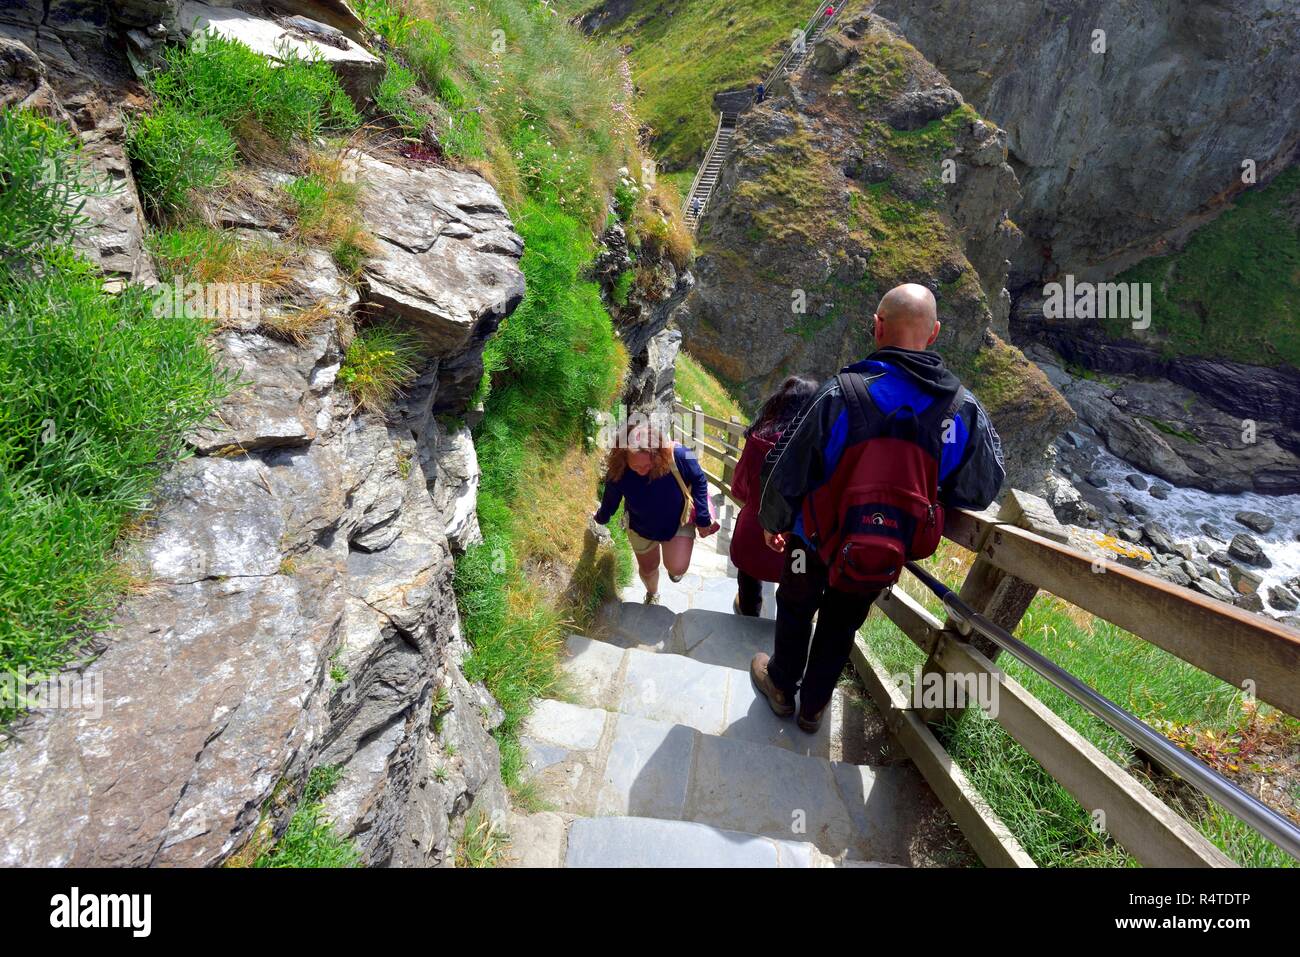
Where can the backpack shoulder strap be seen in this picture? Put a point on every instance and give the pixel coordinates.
(681, 484)
(856, 398)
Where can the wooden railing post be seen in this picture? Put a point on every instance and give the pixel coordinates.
(698, 429)
(1000, 597)
(728, 466)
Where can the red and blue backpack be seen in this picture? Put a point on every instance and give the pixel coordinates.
(880, 507)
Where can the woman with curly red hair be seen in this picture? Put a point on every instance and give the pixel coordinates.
(666, 501)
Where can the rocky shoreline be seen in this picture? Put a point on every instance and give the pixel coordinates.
(1108, 477)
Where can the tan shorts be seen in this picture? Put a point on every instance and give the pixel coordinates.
(641, 545)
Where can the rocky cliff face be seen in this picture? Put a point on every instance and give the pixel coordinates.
(642, 317)
(294, 604)
(834, 192)
(1121, 152)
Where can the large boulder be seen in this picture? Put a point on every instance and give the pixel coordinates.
(357, 68)
(1163, 429)
(447, 256)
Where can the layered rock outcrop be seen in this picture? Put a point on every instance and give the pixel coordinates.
(642, 313)
(1124, 140)
(294, 605)
(861, 171)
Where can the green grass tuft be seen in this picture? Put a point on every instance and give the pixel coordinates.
(397, 97)
(206, 92)
(310, 840)
(379, 360)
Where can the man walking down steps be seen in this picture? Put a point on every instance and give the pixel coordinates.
(856, 487)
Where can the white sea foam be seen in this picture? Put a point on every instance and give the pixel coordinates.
(1186, 508)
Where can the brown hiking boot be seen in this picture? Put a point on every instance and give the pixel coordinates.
(763, 682)
(810, 724)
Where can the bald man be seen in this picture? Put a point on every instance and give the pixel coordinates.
(900, 382)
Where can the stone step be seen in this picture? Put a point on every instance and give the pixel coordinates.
(714, 637)
(703, 695)
(549, 840)
(589, 762)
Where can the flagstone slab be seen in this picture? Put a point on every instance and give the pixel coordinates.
(647, 842)
(742, 786)
(648, 769)
(723, 639)
(677, 690)
(632, 624)
(750, 718)
(591, 670)
(568, 725)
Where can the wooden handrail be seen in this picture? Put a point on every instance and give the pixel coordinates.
(1246, 650)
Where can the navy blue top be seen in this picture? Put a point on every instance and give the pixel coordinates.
(654, 506)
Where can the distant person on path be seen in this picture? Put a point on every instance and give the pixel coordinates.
(760, 93)
(695, 206)
(830, 12)
(857, 486)
(755, 562)
(666, 501)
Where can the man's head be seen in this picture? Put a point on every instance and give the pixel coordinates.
(907, 318)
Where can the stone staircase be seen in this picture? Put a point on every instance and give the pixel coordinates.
(665, 755)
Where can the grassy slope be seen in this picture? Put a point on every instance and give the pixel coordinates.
(1234, 289)
(684, 52)
(98, 390)
(696, 385)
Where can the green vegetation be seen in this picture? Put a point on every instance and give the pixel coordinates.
(211, 94)
(545, 114)
(1169, 428)
(325, 202)
(310, 839)
(1165, 691)
(683, 53)
(622, 286)
(379, 360)
(696, 385)
(1234, 289)
(554, 359)
(481, 844)
(788, 200)
(884, 74)
(43, 186)
(398, 97)
(99, 390)
(203, 254)
(424, 56)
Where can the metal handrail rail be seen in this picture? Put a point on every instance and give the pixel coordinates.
(809, 29)
(1173, 759)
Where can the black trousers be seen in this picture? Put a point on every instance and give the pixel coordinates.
(802, 661)
(750, 590)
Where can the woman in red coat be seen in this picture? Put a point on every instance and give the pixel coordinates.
(755, 562)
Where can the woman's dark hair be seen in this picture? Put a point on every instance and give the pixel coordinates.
(782, 406)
